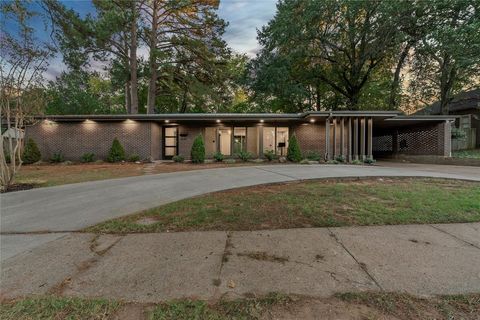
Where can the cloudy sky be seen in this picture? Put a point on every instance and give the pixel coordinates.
(244, 18)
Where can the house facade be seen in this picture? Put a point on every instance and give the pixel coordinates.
(353, 135)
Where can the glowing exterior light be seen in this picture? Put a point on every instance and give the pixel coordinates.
(167, 121)
(218, 120)
(261, 121)
(312, 120)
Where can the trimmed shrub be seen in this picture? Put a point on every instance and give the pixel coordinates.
(31, 153)
(218, 156)
(269, 155)
(87, 157)
(340, 159)
(357, 162)
(57, 157)
(116, 153)
(178, 158)
(313, 155)
(198, 150)
(369, 161)
(134, 158)
(294, 153)
(244, 155)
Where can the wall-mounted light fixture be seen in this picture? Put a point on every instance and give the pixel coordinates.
(261, 120)
(218, 121)
(167, 121)
(312, 120)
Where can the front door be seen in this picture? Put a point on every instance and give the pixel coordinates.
(170, 142)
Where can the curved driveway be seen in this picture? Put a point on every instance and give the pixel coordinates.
(76, 206)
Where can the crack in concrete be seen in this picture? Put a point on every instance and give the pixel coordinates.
(224, 259)
(280, 174)
(454, 236)
(85, 265)
(362, 265)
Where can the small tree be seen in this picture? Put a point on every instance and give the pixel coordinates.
(116, 153)
(198, 150)
(23, 59)
(294, 153)
(31, 153)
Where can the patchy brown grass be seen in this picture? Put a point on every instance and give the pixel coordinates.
(364, 305)
(47, 175)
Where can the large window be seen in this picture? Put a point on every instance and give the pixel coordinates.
(275, 139)
(282, 140)
(239, 140)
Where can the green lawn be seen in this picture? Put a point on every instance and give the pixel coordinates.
(377, 305)
(467, 154)
(318, 203)
(52, 307)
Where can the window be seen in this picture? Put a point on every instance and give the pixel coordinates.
(282, 140)
(239, 140)
(275, 139)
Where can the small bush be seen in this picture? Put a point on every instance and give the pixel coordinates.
(340, 159)
(458, 133)
(244, 155)
(87, 157)
(116, 153)
(357, 162)
(198, 150)
(178, 158)
(31, 153)
(218, 156)
(57, 157)
(305, 161)
(134, 158)
(270, 155)
(332, 162)
(369, 161)
(294, 153)
(313, 155)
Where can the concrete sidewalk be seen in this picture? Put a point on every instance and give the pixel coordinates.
(419, 259)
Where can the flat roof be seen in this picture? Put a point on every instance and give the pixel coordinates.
(222, 116)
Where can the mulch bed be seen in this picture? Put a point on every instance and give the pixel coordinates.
(18, 187)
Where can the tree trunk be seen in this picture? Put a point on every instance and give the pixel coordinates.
(447, 79)
(133, 63)
(152, 85)
(128, 99)
(393, 102)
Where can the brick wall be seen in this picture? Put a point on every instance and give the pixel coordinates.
(185, 143)
(73, 139)
(434, 140)
(310, 137)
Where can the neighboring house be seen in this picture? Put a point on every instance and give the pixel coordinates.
(466, 107)
(353, 135)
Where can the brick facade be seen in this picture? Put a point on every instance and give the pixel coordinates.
(143, 137)
(433, 140)
(73, 139)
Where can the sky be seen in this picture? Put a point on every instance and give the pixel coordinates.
(243, 16)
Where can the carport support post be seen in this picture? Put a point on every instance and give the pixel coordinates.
(355, 138)
(370, 139)
(327, 139)
(334, 138)
(362, 139)
(349, 142)
(342, 137)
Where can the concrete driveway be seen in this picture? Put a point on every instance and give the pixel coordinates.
(76, 206)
